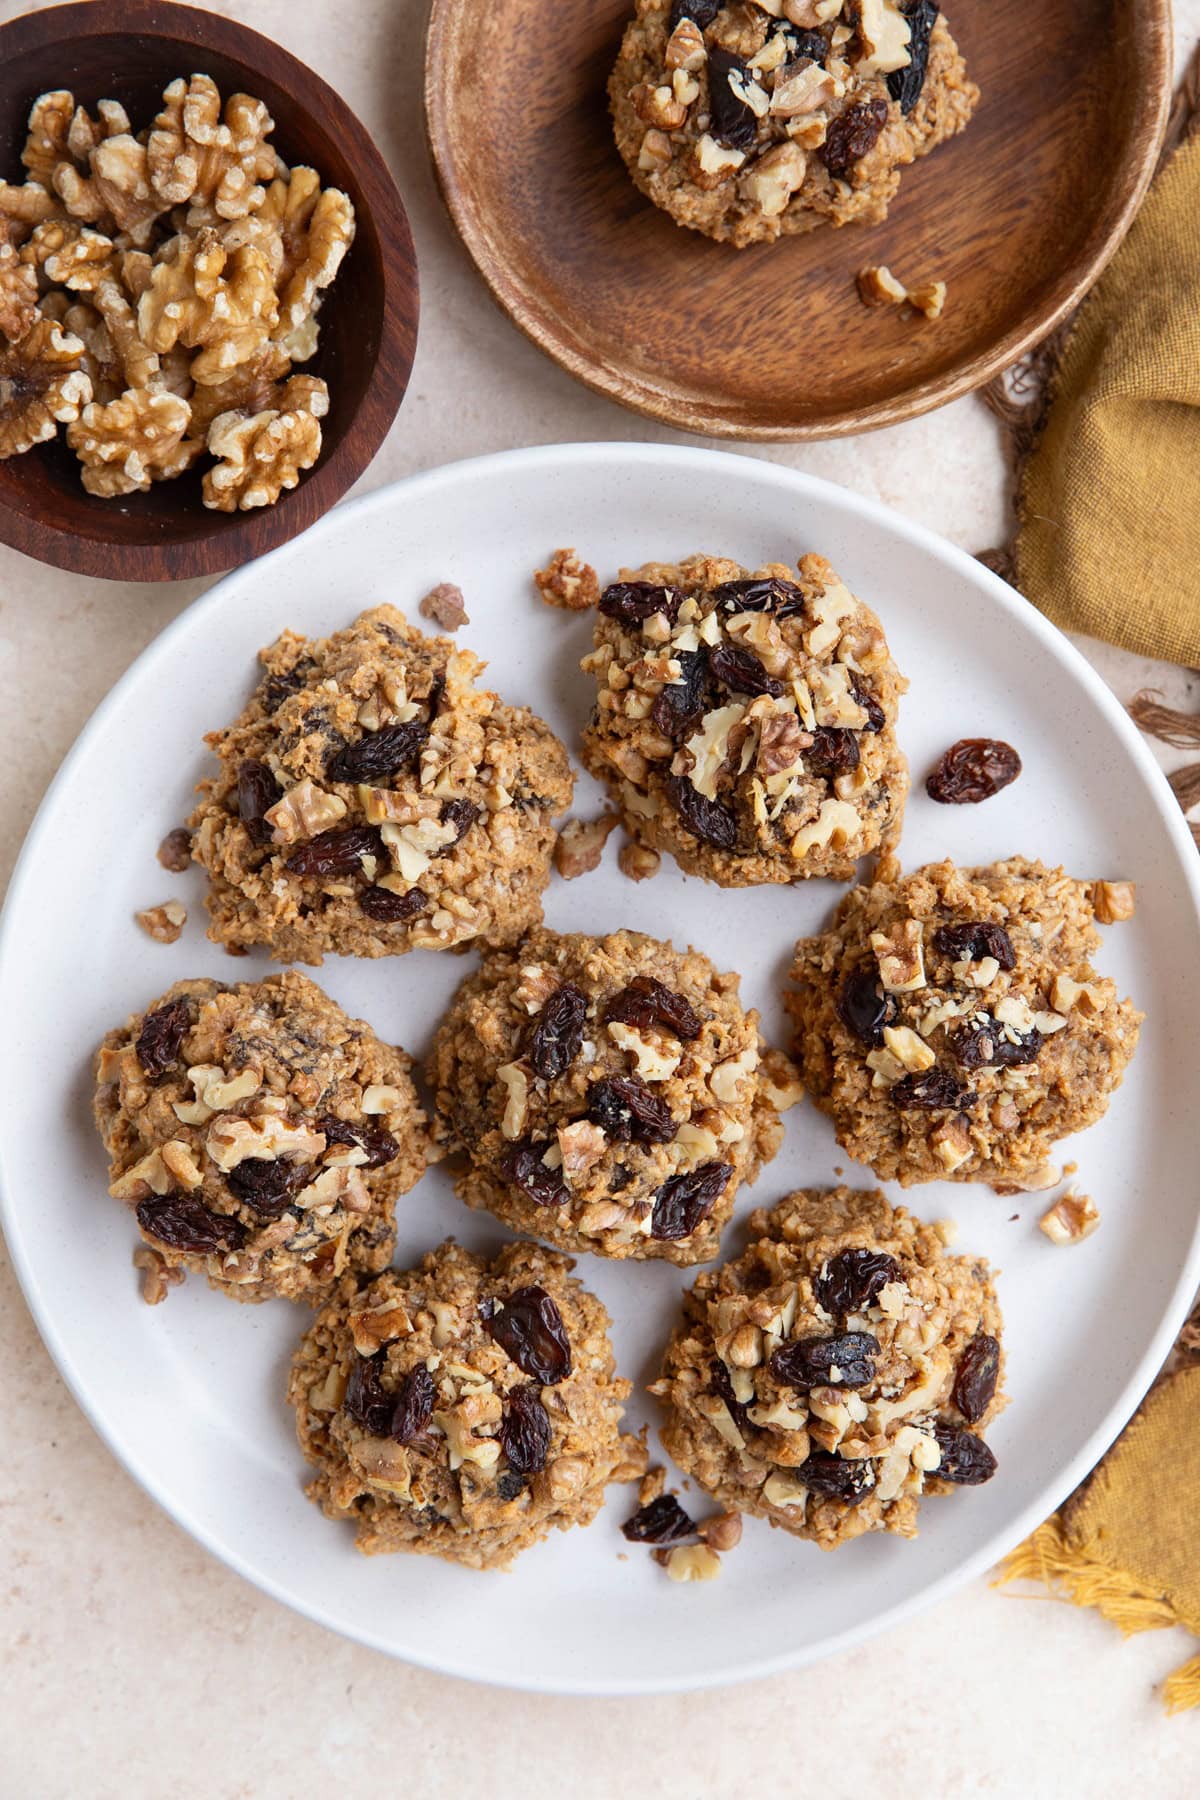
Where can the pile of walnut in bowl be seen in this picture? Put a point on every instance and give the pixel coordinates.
(156, 290)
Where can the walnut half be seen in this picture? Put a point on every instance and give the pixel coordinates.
(264, 453)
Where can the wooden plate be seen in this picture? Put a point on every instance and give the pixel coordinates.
(1017, 215)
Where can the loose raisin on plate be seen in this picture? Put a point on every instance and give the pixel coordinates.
(184, 1223)
(558, 1033)
(663, 1521)
(462, 814)
(876, 717)
(863, 1006)
(414, 1405)
(380, 754)
(257, 791)
(380, 904)
(522, 1165)
(733, 123)
(366, 1400)
(966, 1459)
(161, 1035)
(337, 852)
(685, 1201)
(904, 85)
(761, 593)
(833, 751)
(983, 1043)
(646, 1002)
(975, 940)
(976, 1377)
(380, 1146)
(678, 709)
(633, 601)
(267, 1186)
(972, 770)
(741, 672)
(851, 1279)
(709, 820)
(932, 1091)
(847, 1360)
(836, 1477)
(702, 11)
(852, 135)
(529, 1328)
(628, 1113)
(525, 1430)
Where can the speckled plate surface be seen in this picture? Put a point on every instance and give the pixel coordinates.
(189, 1395)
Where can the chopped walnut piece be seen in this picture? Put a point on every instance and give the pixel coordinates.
(41, 386)
(140, 364)
(445, 605)
(46, 144)
(201, 295)
(901, 957)
(567, 582)
(194, 155)
(265, 453)
(724, 1532)
(132, 441)
(117, 190)
(303, 811)
(581, 844)
(877, 286)
(163, 923)
(780, 743)
(255, 386)
(100, 362)
(638, 863)
(1072, 1218)
(929, 299)
(1113, 901)
(1033, 1181)
(158, 1277)
(72, 255)
(693, 1562)
(318, 230)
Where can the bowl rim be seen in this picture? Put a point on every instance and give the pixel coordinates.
(640, 392)
(227, 546)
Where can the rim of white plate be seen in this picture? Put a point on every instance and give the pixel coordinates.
(769, 475)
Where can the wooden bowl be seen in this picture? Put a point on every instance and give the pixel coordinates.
(128, 50)
(1018, 215)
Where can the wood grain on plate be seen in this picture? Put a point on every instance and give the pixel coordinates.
(1017, 215)
(128, 50)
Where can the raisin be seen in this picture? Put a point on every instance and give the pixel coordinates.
(863, 1007)
(682, 1203)
(679, 708)
(709, 820)
(876, 717)
(257, 791)
(931, 1091)
(162, 1034)
(741, 672)
(175, 851)
(632, 601)
(414, 1405)
(510, 1485)
(702, 11)
(462, 814)
(836, 1477)
(844, 1361)
(523, 1165)
(184, 1223)
(983, 1043)
(851, 135)
(379, 754)
(851, 1279)
(558, 1033)
(806, 46)
(972, 770)
(975, 941)
(646, 1002)
(833, 751)
(628, 1113)
(337, 852)
(392, 909)
(273, 690)
(904, 85)
(977, 1375)
(529, 1328)
(525, 1430)
(733, 123)
(663, 1521)
(966, 1459)
(267, 1186)
(761, 593)
(721, 1384)
(366, 1400)
(380, 1146)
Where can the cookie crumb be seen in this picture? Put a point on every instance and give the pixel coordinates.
(163, 923)
(158, 1277)
(1072, 1218)
(1113, 901)
(581, 845)
(636, 862)
(175, 851)
(652, 1485)
(947, 1230)
(877, 286)
(567, 582)
(445, 605)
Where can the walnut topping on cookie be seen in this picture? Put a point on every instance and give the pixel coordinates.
(839, 1369)
(464, 1408)
(746, 721)
(952, 1025)
(609, 1094)
(373, 799)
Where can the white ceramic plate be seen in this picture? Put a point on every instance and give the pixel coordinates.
(189, 1395)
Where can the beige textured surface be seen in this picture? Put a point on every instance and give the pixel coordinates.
(124, 1647)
